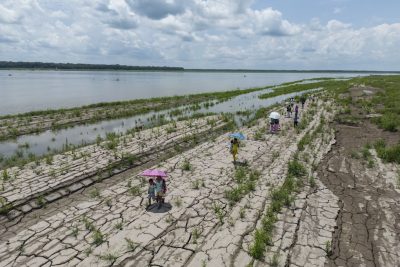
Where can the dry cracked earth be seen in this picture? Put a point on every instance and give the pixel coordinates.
(343, 215)
(368, 222)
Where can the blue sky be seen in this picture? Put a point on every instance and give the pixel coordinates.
(360, 13)
(255, 34)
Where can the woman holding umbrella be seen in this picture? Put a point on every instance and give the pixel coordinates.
(274, 124)
(235, 148)
(235, 144)
(158, 188)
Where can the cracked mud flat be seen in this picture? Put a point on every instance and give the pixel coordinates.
(304, 227)
(113, 227)
(368, 223)
(51, 179)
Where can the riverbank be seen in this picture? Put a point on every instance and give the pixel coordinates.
(12, 126)
(304, 196)
(31, 147)
(191, 178)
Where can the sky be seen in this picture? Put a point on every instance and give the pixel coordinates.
(235, 34)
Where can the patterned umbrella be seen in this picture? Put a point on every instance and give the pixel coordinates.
(154, 173)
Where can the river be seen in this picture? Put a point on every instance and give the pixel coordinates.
(23, 91)
(27, 90)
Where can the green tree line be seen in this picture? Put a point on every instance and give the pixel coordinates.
(80, 66)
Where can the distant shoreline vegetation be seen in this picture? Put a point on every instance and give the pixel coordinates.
(10, 65)
(81, 66)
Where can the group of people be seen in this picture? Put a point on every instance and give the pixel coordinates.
(274, 123)
(157, 190)
(292, 106)
(289, 109)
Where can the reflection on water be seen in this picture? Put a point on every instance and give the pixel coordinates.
(42, 143)
(27, 90)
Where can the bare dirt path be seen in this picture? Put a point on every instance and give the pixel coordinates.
(368, 223)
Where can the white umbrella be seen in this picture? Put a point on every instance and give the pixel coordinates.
(274, 115)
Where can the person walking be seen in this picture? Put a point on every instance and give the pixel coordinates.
(151, 191)
(295, 120)
(296, 116)
(303, 100)
(289, 110)
(235, 148)
(160, 189)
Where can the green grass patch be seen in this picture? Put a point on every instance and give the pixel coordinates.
(389, 122)
(246, 182)
(109, 257)
(186, 165)
(291, 88)
(296, 169)
(306, 140)
(5, 207)
(386, 101)
(98, 237)
(387, 154)
(280, 197)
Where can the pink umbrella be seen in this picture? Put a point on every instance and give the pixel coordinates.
(154, 173)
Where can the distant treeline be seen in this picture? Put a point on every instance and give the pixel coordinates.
(290, 71)
(80, 66)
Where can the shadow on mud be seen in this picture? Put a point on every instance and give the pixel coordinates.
(241, 163)
(154, 208)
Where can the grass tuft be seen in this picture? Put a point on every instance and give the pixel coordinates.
(387, 154)
(98, 237)
(186, 166)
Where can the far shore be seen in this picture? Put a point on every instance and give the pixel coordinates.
(209, 70)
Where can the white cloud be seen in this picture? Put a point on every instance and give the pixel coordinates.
(222, 9)
(335, 25)
(188, 33)
(270, 22)
(157, 9)
(8, 15)
(315, 25)
(337, 10)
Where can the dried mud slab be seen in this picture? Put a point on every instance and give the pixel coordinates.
(196, 226)
(44, 181)
(368, 223)
(305, 228)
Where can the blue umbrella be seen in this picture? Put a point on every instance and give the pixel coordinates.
(239, 136)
